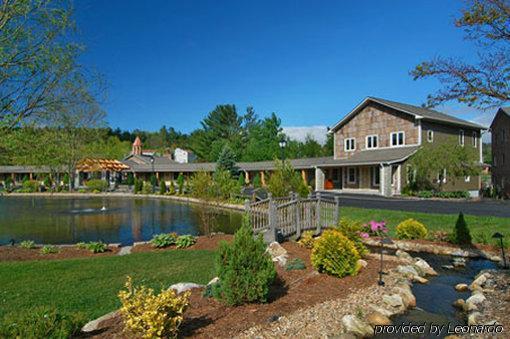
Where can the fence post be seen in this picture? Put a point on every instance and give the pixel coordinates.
(318, 213)
(336, 218)
(270, 234)
(297, 210)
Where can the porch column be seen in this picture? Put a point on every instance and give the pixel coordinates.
(303, 175)
(246, 177)
(385, 180)
(30, 176)
(319, 179)
(262, 178)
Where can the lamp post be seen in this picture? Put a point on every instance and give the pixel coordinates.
(500, 236)
(282, 144)
(384, 241)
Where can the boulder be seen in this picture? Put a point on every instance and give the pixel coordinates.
(407, 296)
(459, 262)
(478, 282)
(473, 318)
(277, 253)
(377, 318)
(459, 304)
(495, 258)
(461, 287)
(393, 300)
(423, 267)
(407, 270)
(362, 263)
(356, 326)
(184, 286)
(404, 256)
(384, 311)
(460, 253)
(93, 325)
(419, 279)
(474, 301)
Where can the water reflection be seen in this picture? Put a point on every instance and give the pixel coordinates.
(70, 220)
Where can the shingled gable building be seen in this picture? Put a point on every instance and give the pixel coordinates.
(372, 145)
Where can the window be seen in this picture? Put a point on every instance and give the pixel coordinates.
(430, 135)
(467, 178)
(351, 175)
(372, 141)
(375, 174)
(475, 139)
(461, 137)
(398, 139)
(349, 144)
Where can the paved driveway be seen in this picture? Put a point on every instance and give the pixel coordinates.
(483, 207)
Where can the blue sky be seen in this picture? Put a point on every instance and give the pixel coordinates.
(311, 62)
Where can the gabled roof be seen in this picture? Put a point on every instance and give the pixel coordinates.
(504, 110)
(415, 111)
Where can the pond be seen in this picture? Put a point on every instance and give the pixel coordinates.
(63, 220)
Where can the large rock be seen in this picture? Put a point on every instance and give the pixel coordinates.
(479, 282)
(407, 270)
(423, 267)
(459, 262)
(356, 326)
(377, 318)
(459, 304)
(473, 318)
(461, 287)
(419, 279)
(393, 300)
(475, 299)
(277, 253)
(407, 296)
(404, 256)
(184, 286)
(362, 263)
(93, 325)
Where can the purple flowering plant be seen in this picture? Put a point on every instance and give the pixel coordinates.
(375, 228)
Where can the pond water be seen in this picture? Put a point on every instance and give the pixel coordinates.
(62, 220)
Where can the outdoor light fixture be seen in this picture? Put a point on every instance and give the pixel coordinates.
(500, 236)
(384, 241)
(283, 144)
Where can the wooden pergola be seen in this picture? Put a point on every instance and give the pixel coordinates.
(100, 165)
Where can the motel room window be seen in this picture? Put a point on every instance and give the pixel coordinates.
(375, 174)
(350, 144)
(461, 137)
(475, 139)
(351, 175)
(398, 139)
(430, 136)
(372, 141)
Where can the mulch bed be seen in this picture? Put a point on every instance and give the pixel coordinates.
(294, 290)
(203, 243)
(15, 253)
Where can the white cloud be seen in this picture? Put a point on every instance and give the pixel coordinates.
(299, 133)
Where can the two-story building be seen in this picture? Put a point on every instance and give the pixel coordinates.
(500, 129)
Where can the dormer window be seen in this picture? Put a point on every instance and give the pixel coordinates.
(398, 139)
(349, 144)
(430, 136)
(461, 137)
(372, 142)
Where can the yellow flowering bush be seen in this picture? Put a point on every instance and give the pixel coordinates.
(411, 229)
(152, 315)
(306, 240)
(333, 253)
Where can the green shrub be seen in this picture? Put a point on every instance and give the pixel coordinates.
(306, 240)
(285, 179)
(147, 188)
(333, 253)
(241, 181)
(171, 190)
(352, 230)
(28, 244)
(162, 187)
(461, 235)
(130, 181)
(97, 185)
(81, 245)
(201, 185)
(184, 241)
(224, 185)
(30, 186)
(49, 249)
(138, 186)
(425, 194)
(97, 247)
(411, 229)
(47, 182)
(41, 322)
(256, 181)
(180, 183)
(245, 270)
(153, 180)
(295, 264)
(163, 240)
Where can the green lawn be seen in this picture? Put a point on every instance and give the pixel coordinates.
(434, 222)
(91, 285)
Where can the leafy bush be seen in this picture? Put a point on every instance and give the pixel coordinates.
(81, 245)
(461, 235)
(334, 254)
(97, 185)
(171, 190)
(97, 247)
(295, 264)
(285, 180)
(411, 229)
(41, 322)
(49, 249)
(147, 188)
(162, 187)
(201, 185)
(152, 315)
(184, 241)
(256, 181)
(353, 229)
(30, 186)
(28, 244)
(241, 181)
(164, 240)
(138, 186)
(130, 181)
(153, 180)
(180, 183)
(244, 268)
(425, 194)
(307, 240)
(225, 185)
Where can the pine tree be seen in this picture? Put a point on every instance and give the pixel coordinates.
(462, 235)
(162, 187)
(241, 181)
(227, 161)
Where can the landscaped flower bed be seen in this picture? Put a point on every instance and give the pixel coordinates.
(17, 253)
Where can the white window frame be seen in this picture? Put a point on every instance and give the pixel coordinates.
(461, 137)
(475, 139)
(397, 134)
(346, 143)
(349, 175)
(430, 135)
(467, 178)
(376, 140)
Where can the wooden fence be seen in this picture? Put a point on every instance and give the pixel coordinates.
(289, 216)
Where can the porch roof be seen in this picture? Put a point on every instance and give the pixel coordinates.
(24, 169)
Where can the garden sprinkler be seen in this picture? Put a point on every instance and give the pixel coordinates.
(500, 236)
(386, 241)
